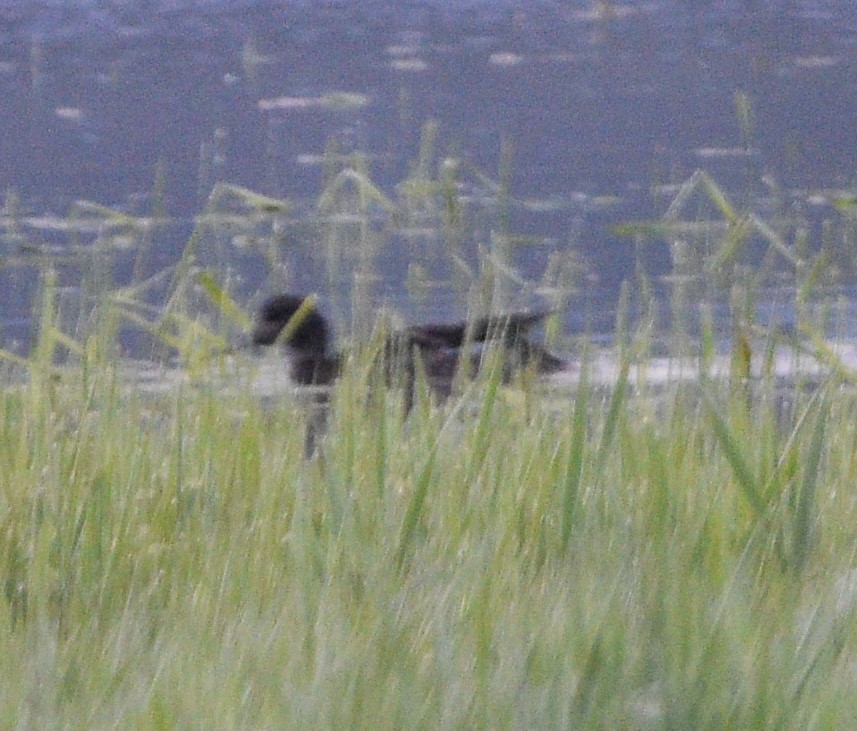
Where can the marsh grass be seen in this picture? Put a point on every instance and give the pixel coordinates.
(621, 557)
(624, 559)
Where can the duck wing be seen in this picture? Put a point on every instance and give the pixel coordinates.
(508, 328)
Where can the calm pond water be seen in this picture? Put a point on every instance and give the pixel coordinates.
(586, 114)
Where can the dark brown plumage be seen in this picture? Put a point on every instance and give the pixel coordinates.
(435, 349)
(438, 346)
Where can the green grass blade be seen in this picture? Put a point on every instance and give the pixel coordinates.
(415, 511)
(220, 297)
(804, 510)
(574, 465)
(615, 410)
(734, 455)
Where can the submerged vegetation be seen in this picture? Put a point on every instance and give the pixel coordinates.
(620, 556)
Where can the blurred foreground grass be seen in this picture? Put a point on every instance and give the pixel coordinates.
(618, 560)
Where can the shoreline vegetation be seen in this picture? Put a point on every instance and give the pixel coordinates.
(631, 548)
(631, 558)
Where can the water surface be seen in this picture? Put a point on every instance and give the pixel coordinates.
(597, 111)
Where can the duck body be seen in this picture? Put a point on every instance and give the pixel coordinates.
(441, 348)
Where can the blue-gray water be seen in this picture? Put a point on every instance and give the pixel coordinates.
(603, 105)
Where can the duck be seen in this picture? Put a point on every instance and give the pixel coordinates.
(294, 321)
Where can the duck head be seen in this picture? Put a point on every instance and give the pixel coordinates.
(309, 333)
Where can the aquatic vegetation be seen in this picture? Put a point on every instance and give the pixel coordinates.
(626, 548)
(622, 556)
